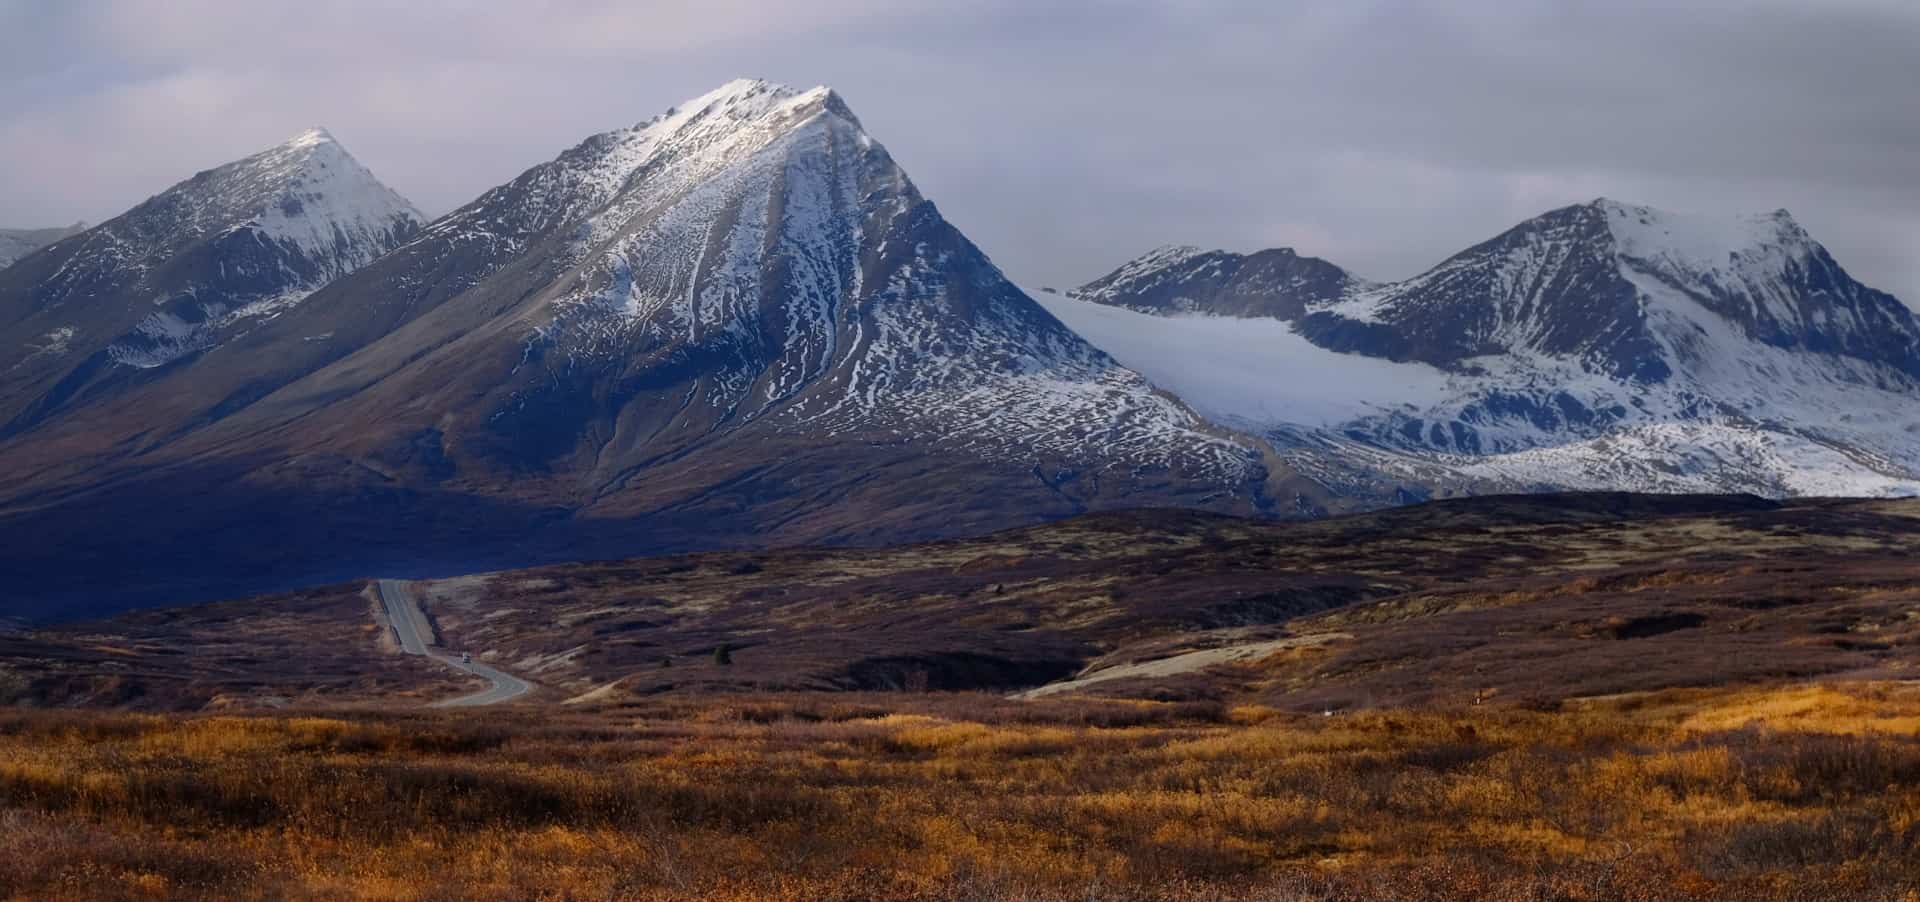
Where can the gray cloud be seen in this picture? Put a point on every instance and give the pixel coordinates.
(1064, 137)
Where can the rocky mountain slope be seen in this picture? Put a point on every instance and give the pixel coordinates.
(17, 243)
(738, 323)
(1601, 346)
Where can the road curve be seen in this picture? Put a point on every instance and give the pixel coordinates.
(410, 627)
(1183, 663)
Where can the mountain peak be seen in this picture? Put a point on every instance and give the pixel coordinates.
(745, 99)
(748, 87)
(307, 191)
(1169, 254)
(311, 192)
(1703, 243)
(1730, 228)
(312, 137)
(613, 175)
(734, 93)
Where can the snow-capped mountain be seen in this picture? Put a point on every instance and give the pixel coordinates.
(1601, 346)
(737, 323)
(1629, 291)
(186, 271)
(17, 243)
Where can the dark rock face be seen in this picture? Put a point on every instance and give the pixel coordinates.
(1278, 283)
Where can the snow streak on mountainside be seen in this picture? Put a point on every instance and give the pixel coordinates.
(1604, 346)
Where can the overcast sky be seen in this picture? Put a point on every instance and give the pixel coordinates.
(1063, 137)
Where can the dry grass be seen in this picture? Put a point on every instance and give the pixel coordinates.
(296, 650)
(1795, 792)
(1551, 597)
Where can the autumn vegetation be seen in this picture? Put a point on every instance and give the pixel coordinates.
(1799, 791)
(1576, 698)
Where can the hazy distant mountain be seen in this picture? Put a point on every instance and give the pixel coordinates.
(17, 243)
(1598, 346)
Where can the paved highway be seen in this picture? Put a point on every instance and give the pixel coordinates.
(410, 627)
